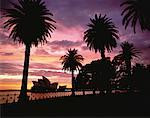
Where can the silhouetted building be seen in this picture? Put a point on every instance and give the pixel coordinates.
(43, 85)
(61, 88)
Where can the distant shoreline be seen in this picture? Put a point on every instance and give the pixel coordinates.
(20, 90)
(10, 90)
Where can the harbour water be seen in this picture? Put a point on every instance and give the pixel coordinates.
(9, 96)
(12, 96)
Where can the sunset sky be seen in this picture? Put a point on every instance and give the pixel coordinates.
(71, 16)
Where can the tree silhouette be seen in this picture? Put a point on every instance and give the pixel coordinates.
(71, 62)
(136, 11)
(126, 55)
(30, 24)
(141, 78)
(105, 73)
(97, 75)
(89, 72)
(83, 79)
(101, 35)
(120, 81)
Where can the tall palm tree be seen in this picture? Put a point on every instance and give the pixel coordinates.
(30, 24)
(127, 54)
(101, 35)
(71, 62)
(136, 11)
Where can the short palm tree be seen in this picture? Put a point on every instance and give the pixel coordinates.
(101, 35)
(30, 24)
(136, 11)
(127, 54)
(71, 62)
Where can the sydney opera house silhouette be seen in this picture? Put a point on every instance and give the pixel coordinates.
(43, 85)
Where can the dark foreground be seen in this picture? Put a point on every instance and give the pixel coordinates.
(104, 105)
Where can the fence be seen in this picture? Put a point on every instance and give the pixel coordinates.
(10, 98)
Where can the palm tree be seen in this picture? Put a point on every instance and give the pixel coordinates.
(127, 54)
(101, 35)
(71, 62)
(136, 11)
(30, 24)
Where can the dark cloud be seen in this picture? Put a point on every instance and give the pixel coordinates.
(141, 42)
(41, 51)
(4, 4)
(43, 66)
(4, 39)
(77, 12)
(16, 69)
(84, 48)
(49, 73)
(72, 13)
(9, 68)
(6, 54)
(4, 35)
(65, 43)
(7, 3)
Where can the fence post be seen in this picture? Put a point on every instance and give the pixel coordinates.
(7, 98)
(14, 97)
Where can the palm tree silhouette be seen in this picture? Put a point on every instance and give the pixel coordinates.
(136, 11)
(71, 62)
(30, 24)
(127, 54)
(101, 35)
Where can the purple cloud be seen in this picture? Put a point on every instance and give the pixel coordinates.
(41, 51)
(65, 43)
(10, 68)
(72, 13)
(43, 66)
(6, 53)
(49, 73)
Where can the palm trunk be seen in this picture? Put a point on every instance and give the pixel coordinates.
(94, 91)
(128, 65)
(23, 94)
(83, 91)
(103, 54)
(94, 83)
(73, 91)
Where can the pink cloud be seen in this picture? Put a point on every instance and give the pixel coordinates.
(41, 51)
(71, 16)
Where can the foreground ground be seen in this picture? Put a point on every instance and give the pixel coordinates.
(99, 105)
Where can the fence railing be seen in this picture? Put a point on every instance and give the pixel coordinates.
(11, 98)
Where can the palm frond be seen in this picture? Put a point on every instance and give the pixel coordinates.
(128, 51)
(136, 11)
(101, 34)
(30, 22)
(72, 60)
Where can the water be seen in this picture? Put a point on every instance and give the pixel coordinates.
(12, 96)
